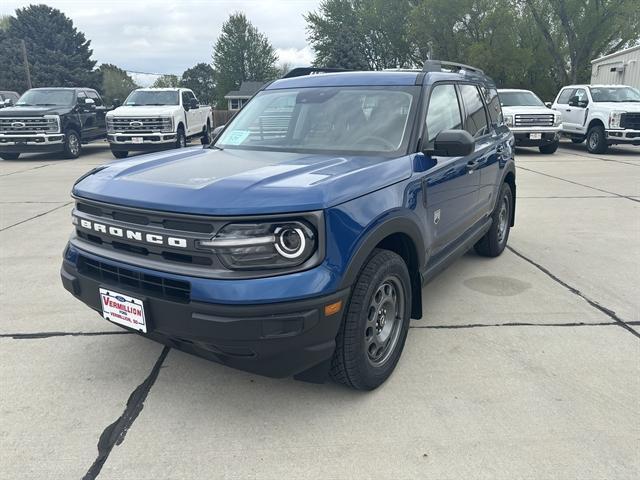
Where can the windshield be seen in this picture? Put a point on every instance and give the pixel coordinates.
(328, 119)
(615, 94)
(46, 98)
(519, 99)
(148, 97)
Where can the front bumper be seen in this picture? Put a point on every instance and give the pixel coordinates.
(274, 339)
(623, 136)
(154, 141)
(523, 138)
(40, 142)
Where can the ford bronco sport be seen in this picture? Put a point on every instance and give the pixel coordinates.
(297, 242)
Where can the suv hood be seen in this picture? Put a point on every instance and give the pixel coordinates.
(527, 110)
(33, 111)
(240, 182)
(144, 110)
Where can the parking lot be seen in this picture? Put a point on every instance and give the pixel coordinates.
(525, 366)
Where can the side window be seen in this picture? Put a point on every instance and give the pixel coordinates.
(581, 93)
(185, 99)
(80, 94)
(565, 95)
(476, 120)
(493, 105)
(192, 95)
(95, 97)
(443, 112)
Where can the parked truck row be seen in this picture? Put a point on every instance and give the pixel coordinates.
(63, 119)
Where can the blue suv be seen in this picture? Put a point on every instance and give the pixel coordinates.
(297, 243)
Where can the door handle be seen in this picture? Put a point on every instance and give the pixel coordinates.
(472, 165)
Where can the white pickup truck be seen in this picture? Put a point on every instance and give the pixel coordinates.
(533, 124)
(157, 118)
(602, 115)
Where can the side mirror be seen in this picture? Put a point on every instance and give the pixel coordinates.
(193, 103)
(548, 104)
(453, 143)
(8, 102)
(116, 102)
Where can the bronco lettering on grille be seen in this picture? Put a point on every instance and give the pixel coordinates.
(135, 235)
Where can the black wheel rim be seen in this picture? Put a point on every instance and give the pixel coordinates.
(503, 219)
(385, 317)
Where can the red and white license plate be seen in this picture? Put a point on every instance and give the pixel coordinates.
(535, 136)
(123, 310)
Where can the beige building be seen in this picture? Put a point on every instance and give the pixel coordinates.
(619, 68)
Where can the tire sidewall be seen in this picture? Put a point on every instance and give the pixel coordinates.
(67, 149)
(601, 144)
(181, 139)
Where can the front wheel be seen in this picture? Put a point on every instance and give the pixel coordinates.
(206, 135)
(495, 240)
(72, 145)
(549, 148)
(181, 139)
(596, 140)
(374, 330)
(120, 153)
(9, 156)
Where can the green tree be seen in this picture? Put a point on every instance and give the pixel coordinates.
(116, 83)
(241, 53)
(59, 55)
(200, 79)
(167, 81)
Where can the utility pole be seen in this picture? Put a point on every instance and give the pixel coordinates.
(26, 64)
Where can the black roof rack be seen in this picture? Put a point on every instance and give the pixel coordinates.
(437, 66)
(302, 71)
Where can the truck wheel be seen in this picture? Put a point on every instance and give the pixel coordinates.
(9, 156)
(181, 138)
(549, 148)
(120, 153)
(494, 241)
(374, 330)
(72, 145)
(206, 135)
(596, 139)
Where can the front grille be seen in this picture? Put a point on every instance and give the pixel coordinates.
(630, 121)
(139, 124)
(129, 280)
(534, 120)
(28, 125)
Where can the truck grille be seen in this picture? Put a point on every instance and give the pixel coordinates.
(28, 125)
(151, 285)
(139, 124)
(534, 120)
(630, 121)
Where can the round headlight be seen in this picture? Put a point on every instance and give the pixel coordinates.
(290, 242)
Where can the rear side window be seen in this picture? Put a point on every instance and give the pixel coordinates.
(493, 105)
(476, 117)
(443, 112)
(565, 95)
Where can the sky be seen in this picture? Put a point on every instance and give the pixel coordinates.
(168, 37)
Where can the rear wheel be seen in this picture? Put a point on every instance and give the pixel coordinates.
(376, 323)
(72, 146)
(120, 153)
(495, 240)
(596, 140)
(9, 156)
(549, 148)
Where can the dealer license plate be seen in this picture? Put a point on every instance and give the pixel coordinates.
(535, 136)
(123, 310)
(137, 139)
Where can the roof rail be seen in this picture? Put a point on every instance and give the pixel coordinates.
(302, 71)
(436, 66)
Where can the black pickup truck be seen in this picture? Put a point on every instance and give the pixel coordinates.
(52, 120)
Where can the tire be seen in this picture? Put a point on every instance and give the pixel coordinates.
(596, 140)
(495, 240)
(72, 145)
(181, 138)
(9, 156)
(120, 153)
(549, 148)
(577, 140)
(369, 343)
(206, 137)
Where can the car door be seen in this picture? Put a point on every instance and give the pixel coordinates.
(86, 116)
(575, 112)
(191, 114)
(100, 112)
(451, 191)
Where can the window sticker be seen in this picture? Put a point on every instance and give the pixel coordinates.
(236, 137)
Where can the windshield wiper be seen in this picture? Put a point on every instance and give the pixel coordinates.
(156, 104)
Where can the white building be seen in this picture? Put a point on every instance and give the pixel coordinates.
(619, 68)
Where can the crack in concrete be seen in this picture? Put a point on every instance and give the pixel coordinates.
(521, 324)
(40, 335)
(35, 216)
(607, 311)
(114, 434)
(23, 171)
